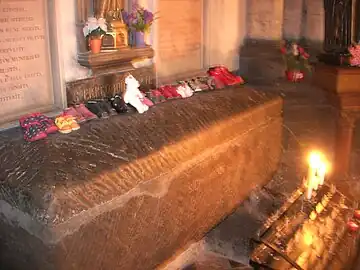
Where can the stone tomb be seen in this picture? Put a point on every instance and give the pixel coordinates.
(134, 190)
(25, 69)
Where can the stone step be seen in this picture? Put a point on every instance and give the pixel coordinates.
(213, 261)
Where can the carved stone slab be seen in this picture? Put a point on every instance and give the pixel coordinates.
(25, 78)
(106, 85)
(180, 41)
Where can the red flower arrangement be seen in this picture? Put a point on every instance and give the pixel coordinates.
(296, 60)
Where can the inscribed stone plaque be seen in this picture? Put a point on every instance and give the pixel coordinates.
(180, 36)
(25, 78)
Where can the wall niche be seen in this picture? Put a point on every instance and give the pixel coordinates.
(93, 8)
(112, 64)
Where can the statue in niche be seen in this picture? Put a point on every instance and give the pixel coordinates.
(111, 11)
(102, 8)
(120, 39)
(338, 20)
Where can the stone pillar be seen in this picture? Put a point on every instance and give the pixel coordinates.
(265, 19)
(70, 23)
(344, 137)
(293, 16)
(314, 20)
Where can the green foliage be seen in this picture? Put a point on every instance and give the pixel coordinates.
(294, 62)
(96, 33)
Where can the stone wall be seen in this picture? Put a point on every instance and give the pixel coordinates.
(67, 30)
(191, 35)
(292, 19)
(314, 20)
(293, 16)
(224, 32)
(179, 46)
(265, 19)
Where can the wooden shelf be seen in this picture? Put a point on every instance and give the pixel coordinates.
(113, 59)
(337, 79)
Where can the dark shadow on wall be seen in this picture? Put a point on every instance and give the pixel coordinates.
(262, 61)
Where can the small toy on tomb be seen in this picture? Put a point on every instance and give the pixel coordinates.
(133, 96)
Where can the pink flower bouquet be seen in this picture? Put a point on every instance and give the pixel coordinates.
(354, 59)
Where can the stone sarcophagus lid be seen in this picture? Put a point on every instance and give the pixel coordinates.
(130, 192)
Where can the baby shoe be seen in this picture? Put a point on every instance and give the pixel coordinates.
(155, 96)
(81, 109)
(172, 90)
(32, 128)
(193, 85)
(147, 101)
(29, 119)
(71, 111)
(118, 104)
(96, 109)
(71, 120)
(47, 124)
(106, 106)
(63, 125)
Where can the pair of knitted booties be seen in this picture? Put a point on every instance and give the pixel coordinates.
(37, 126)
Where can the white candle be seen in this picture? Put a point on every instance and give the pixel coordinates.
(315, 180)
(309, 184)
(318, 166)
(321, 174)
(314, 162)
(309, 191)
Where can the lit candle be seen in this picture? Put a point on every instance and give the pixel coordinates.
(315, 179)
(312, 181)
(321, 173)
(309, 189)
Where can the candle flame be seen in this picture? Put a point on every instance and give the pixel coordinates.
(323, 168)
(318, 161)
(315, 160)
(318, 166)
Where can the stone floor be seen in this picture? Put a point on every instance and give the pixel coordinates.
(308, 124)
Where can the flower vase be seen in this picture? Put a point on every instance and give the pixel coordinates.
(95, 45)
(140, 39)
(294, 75)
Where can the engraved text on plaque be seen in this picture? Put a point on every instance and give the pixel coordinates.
(25, 76)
